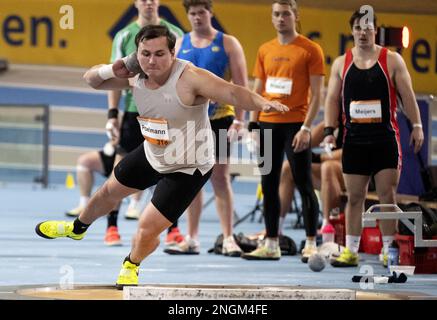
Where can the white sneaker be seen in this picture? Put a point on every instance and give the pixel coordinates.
(132, 214)
(188, 246)
(74, 212)
(307, 252)
(231, 248)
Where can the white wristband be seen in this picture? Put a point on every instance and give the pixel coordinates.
(417, 125)
(306, 128)
(237, 122)
(106, 72)
(109, 126)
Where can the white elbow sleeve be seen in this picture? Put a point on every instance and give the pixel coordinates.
(106, 72)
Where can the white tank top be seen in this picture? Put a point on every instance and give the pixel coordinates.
(178, 138)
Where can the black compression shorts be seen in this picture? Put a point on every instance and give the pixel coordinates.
(130, 133)
(108, 163)
(174, 191)
(369, 159)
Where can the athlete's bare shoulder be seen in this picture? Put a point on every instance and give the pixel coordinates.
(231, 43)
(338, 65)
(394, 57)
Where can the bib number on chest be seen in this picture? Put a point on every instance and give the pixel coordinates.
(367, 111)
(155, 131)
(279, 86)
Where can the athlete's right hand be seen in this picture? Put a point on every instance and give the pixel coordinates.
(417, 138)
(121, 71)
(113, 130)
(328, 141)
(270, 106)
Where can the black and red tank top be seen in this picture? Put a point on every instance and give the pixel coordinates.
(368, 102)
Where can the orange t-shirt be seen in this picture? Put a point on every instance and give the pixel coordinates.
(285, 71)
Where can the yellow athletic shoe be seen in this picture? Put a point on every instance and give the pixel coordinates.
(346, 259)
(57, 229)
(263, 253)
(128, 275)
(385, 260)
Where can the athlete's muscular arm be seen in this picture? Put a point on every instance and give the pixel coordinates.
(206, 84)
(258, 87)
(316, 84)
(113, 125)
(301, 140)
(404, 86)
(114, 99)
(332, 101)
(238, 67)
(120, 81)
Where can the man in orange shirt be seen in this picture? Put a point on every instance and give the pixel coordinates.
(286, 68)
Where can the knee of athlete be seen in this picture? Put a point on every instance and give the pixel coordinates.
(220, 183)
(388, 195)
(83, 164)
(81, 169)
(220, 180)
(146, 234)
(356, 199)
(88, 162)
(330, 168)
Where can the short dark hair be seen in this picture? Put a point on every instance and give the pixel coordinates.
(191, 3)
(291, 3)
(155, 31)
(357, 15)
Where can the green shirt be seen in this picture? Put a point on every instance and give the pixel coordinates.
(124, 44)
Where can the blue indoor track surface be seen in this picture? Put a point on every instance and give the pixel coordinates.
(27, 259)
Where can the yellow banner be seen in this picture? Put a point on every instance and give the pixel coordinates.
(80, 33)
(32, 32)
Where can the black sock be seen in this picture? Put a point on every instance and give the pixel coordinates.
(128, 259)
(174, 225)
(79, 227)
(112, 218)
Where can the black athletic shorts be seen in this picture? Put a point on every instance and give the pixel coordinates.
(222, 144)
(369, 159)
(174, 191)
(108, 163)
(130, 133)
